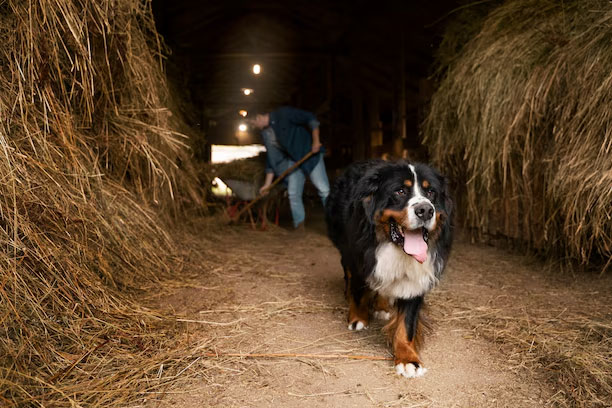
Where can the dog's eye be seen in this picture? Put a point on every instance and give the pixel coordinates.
(401, 192)
(430, 194)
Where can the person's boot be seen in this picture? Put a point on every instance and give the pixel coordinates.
(300, 229)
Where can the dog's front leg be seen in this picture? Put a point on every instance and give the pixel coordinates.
(405, 335)
(382, 308)
(358, 296)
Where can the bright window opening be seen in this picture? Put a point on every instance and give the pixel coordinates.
(227, 153)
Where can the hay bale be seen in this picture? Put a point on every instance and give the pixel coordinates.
(87, 151)
(521, 121)
(251, 169)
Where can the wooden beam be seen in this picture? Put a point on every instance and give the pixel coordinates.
(264, 55)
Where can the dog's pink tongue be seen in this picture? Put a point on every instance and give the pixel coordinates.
(415, 245)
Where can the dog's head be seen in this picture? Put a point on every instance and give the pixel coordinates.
(408, 204)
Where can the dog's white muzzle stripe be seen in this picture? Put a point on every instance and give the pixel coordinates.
(414, 221)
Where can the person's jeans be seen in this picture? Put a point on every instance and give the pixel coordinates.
(295, 187)
(295, 181)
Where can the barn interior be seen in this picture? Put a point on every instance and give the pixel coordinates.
(132, 276)
(363, 70)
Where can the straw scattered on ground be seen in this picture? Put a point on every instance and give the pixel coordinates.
(552, 327)
(272, 304)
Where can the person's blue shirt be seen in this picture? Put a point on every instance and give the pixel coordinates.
(293, 130)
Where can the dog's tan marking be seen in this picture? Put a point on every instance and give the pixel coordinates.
(381, 304)
(425, 183)
(408, 183)
(434, 234)
(387, 228)
(398, 216)
(358, 312)
(383, 228)
(405, 351)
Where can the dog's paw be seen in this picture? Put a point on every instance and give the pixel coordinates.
(381, 315)
(357, 325)
(410, 370)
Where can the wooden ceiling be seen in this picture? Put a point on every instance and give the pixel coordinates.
(298, 44)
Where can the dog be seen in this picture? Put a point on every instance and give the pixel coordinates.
(392, 223)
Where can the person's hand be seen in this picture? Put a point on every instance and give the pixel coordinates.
(316, 147)
(264, 190)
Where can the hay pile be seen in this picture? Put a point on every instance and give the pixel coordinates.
(573, 352)
(251, 169)
(521, 122)
(567, 348)
(87, 154)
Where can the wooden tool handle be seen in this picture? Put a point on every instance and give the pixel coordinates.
(275, 182)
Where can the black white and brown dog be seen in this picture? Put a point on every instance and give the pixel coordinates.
(391, 222)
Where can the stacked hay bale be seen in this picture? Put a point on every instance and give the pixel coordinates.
(251, 169)
(87, 154)
(521, 123)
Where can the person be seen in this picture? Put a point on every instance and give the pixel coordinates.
(289, 134)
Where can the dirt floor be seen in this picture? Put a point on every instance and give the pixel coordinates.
(248, 291)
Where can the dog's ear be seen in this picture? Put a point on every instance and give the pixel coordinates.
(446, 195)
(366, 194)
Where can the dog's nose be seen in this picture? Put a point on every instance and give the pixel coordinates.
(424, 211)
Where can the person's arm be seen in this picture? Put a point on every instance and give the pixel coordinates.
(316, 140)
(265, 188)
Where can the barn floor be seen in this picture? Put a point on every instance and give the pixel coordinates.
(273, 292)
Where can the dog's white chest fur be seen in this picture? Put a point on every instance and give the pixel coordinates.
(398, 275)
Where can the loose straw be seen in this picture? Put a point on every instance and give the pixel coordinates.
(298, 355)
